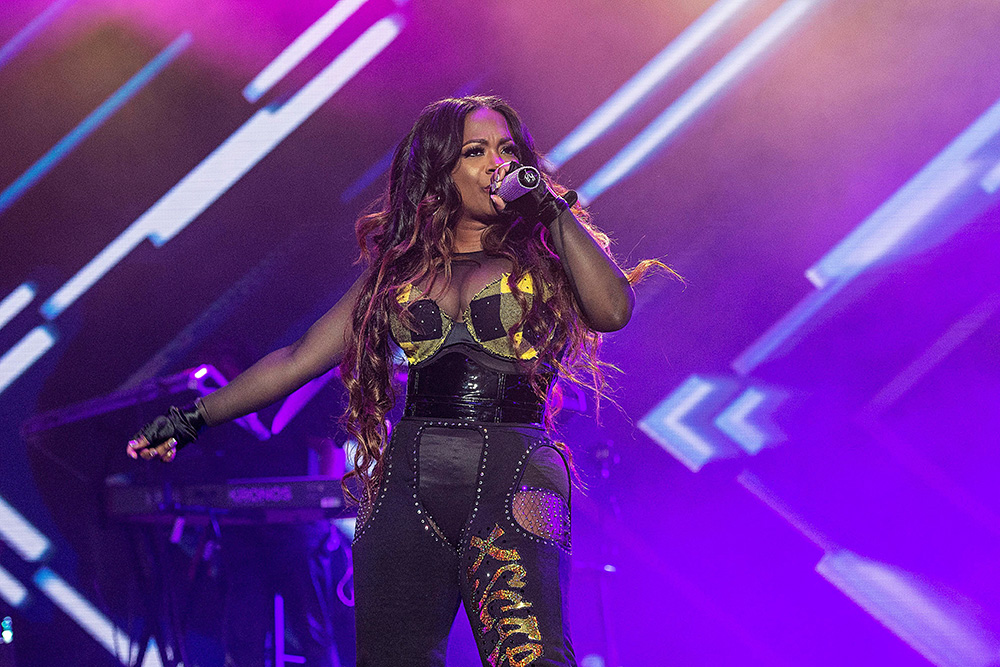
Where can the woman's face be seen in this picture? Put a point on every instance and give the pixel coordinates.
(486, 144)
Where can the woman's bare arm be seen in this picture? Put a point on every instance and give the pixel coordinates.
(283, 371)
(277, 374)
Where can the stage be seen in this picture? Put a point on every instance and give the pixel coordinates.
(796, 465)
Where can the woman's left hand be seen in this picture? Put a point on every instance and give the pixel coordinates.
(162, 437)
(501, 172)
(540, 204)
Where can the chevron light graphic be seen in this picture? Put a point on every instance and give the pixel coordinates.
(748, 421)
(701, 421)
(677, 423)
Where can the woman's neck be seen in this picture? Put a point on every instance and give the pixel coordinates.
(468, 236)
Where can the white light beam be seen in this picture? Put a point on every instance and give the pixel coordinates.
(654, 73)
(668, 123)
(228, 163)
(15, 302)
(303, 45)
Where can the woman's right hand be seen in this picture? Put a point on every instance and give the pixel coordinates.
(162, 437)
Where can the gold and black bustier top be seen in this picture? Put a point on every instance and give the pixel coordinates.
(467, 368)
(491, 313)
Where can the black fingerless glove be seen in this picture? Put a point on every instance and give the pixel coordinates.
(181, 424)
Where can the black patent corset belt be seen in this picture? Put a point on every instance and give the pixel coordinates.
(455, 386)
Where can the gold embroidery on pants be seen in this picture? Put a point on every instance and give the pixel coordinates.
(513, 625)
(515, 599)
(528, 652)
(525, 626)
(516, 581)
(488, 548)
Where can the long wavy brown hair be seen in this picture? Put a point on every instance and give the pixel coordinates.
(410, 238)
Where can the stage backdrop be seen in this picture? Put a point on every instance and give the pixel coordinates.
(800, 464)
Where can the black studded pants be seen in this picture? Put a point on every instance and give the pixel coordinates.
(472, 512)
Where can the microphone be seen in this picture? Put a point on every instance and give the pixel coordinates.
(518, 182)
(522, 180)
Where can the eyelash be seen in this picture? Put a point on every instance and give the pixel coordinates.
(477, 151)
